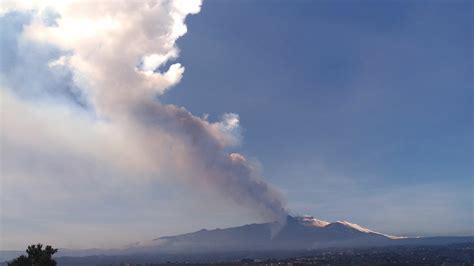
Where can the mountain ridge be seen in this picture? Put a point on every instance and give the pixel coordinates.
(300, 232)
(297, 234)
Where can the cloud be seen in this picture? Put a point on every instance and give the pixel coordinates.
(80, 117)
(116, 47)
(21, 59)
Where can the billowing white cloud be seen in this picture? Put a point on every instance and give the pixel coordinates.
(116, 47)
(116, 52)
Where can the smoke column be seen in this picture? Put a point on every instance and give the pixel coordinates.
(122, 56)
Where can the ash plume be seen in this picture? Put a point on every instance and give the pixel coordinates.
(114, 51)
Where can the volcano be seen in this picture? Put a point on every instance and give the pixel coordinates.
(297, 233)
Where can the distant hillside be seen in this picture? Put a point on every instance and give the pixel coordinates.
(298, 233)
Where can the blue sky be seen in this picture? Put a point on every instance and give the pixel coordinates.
(351, 110)
(378, 95)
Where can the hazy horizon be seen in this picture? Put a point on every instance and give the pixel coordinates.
(129, 120)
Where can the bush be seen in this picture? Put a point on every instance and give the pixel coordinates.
(37, 256)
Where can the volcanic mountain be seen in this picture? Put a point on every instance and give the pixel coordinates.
(296, 233)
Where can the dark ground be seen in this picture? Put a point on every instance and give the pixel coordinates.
(456, 254)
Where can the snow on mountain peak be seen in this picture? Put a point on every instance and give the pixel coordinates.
(356, 227)
(308, 220)
(366, 230)
(311, 221)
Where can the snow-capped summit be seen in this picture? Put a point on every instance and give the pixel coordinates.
(366, 230)
(308, 220)
(311, 221)
(355, 226)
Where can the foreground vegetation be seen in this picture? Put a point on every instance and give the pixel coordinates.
(36, 256)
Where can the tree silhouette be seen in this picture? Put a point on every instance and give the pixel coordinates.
(37, 256)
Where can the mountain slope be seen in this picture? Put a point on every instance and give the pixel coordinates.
(297, 233)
